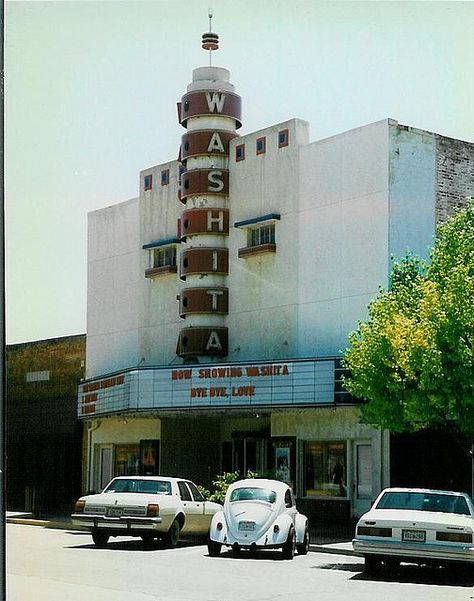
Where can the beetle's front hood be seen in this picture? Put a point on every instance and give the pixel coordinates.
(259, 513)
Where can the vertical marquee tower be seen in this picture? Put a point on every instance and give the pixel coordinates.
(211, 112)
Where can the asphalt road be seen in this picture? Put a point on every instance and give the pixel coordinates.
(57, 565)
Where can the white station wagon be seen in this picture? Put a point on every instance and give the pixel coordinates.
(416, 525)
(259, 514)
(147, 506)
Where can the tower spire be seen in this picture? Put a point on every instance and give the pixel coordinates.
(210, 40)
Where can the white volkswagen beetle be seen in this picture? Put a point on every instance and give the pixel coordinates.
(259, 514)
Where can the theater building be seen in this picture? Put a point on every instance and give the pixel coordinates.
(220, 299)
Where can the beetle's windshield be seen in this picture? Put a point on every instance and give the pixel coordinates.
(422, 501)
(153, 487)
(253, 494)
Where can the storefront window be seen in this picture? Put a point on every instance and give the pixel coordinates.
(325, 469)
(127, 460)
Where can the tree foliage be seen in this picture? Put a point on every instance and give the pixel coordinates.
(413, 359)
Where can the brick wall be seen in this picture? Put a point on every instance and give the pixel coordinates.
(455, 176)
(44, 437)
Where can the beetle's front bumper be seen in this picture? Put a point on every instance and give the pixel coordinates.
(123, 523)
(414, 551)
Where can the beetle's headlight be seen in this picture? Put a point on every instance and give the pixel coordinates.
(219, 526)
(276, 528)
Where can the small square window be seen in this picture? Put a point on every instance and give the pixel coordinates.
(148, 182)
(164, 257)
(240, 152)
(282, 138)
(261, 145)
(165, 177)
(259, 236)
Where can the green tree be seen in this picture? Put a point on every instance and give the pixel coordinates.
(413, 359)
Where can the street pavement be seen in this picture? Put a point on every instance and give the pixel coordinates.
(49, 564)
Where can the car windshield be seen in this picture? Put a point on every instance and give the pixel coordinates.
(253, 494)
(154, 487)
(423, 501)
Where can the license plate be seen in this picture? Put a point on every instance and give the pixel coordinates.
(247, 526)
(414, 536)
(114, 511)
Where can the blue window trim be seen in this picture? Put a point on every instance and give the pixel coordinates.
(269, 217)
(159, 243)
(148, 181)
(165, 177)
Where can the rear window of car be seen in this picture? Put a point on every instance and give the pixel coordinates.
(253, 494)
(423, 502)
(153, 487)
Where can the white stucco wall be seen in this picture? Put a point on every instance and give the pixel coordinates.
(412, 190)
(342, 235)
(263, 288)
(124, 430)
(159, 321)
(113, 281)
(347, 204)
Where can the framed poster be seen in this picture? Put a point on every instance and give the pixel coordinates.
(284, 460)
(149, 457)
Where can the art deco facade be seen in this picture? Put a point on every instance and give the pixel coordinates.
(220, 299)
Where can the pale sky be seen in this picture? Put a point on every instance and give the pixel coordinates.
(91, 92)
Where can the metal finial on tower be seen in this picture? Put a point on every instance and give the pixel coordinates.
(210, 40)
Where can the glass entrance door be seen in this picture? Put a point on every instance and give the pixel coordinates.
(249, 454)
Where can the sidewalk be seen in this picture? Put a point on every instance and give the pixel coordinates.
(320, 543)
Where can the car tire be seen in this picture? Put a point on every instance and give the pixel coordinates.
(303, 547)
(100, 538)
(172, 536)
(289, 547)
(213, 548)
(372, 564)
(148, 540)
(391, 564)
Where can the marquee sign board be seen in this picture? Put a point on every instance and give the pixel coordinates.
(286, 383)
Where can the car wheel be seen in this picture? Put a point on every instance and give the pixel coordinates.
(391, 564)
(148, 540)
(372, 564)
(172, 536)
(288, 548)
(303, 547)
(213, 548)
(100, 538)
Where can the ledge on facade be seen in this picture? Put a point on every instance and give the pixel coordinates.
(249, 251)
(155, 272)
(271, 217)
(158, 243)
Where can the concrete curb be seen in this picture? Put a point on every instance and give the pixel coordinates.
(56, 524)
(62, 525)
(333, 550)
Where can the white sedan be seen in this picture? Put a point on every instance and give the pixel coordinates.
(147, 506)
(259, 514)
(416, 525)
